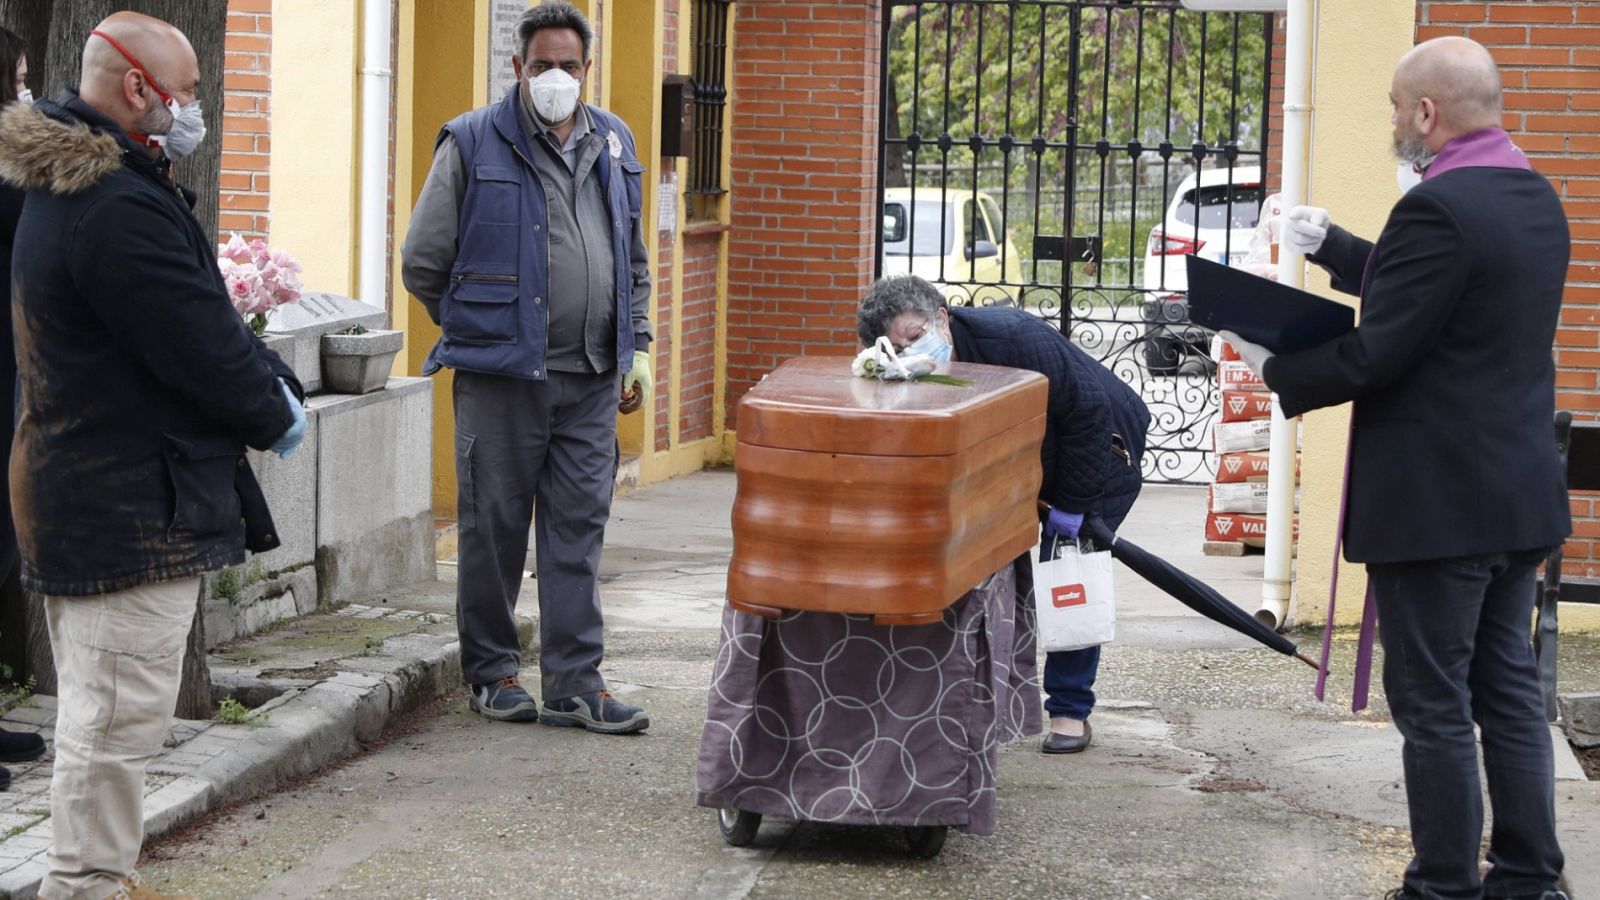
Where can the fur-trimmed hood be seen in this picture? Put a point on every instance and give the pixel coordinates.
(60, 155)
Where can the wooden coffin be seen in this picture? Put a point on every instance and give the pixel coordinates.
(881, 498)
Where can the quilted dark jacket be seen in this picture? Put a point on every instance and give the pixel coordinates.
(1094, 436)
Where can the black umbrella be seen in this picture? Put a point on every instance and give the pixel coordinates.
(1191, 591)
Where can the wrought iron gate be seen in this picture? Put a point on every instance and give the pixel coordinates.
(1065, 155)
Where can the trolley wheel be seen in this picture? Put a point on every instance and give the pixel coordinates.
(925, 842)
(737, 826)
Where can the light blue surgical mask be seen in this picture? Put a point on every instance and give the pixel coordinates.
(930, 344)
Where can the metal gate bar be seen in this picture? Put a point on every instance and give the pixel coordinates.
(1089, 188)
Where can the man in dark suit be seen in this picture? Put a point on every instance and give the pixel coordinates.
(1455, 489)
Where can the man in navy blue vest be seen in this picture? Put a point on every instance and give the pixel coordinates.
(526, 248)
(1455, 490)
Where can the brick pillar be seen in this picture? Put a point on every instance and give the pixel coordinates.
(1273, 173)
(1548, 51)
(804, 122)
(246, 119)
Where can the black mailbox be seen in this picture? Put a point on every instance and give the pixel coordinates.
(677, 115)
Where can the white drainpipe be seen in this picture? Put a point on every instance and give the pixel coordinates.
(1281, 465)
(375, 78)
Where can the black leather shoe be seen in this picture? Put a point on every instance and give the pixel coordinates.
(20, 746)
(1066, 743)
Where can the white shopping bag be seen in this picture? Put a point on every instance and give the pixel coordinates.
(1073, 598)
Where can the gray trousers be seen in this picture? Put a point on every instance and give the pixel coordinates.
(545, 451)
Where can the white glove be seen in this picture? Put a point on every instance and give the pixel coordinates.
(639, 377)
(1304, 229)
(1254, 355)
(880, 361)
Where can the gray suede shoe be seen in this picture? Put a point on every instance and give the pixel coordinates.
(504, 701)
(598, 712)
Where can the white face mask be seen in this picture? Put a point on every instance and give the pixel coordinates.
(554, 96)
(25, 97)
(1409, 175)
(187, 131)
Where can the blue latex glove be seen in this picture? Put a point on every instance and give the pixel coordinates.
(1060, 524)
(297, 432)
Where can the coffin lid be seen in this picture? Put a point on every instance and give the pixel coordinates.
(813, 403)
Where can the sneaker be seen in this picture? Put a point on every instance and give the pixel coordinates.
(599, 712)
(134, 888)
(1404, 892)
(20, 746)
(504, 701)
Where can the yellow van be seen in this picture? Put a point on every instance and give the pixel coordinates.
(955, 239)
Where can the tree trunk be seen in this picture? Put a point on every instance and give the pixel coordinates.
(30, 19)
(59, 30)
(204, 22)
(194, 692)
(13, 627)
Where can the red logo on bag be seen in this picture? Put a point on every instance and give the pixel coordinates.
(1068, 595)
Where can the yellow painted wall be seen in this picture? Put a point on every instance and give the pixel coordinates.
(315, 139)
(440, 66)
(633, 63)
(1352, 175)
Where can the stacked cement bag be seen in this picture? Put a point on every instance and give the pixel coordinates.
(1236, 515)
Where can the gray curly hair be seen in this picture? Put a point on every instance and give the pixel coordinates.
(554, 14)
(891, 298)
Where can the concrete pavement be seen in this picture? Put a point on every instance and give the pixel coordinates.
(1215, 774)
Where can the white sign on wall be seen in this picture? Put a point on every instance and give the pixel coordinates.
(503, 16)
(667, 205)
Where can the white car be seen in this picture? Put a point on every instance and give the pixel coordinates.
(1208, 217)
(955, 239)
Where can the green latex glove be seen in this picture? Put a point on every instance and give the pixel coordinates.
(639, 378)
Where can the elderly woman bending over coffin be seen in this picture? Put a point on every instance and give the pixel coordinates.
(1093, 440)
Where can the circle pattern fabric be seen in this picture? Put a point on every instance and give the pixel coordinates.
(831, 718)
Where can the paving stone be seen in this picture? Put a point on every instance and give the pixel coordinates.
(211, 764)
(22, 881)
(178, 763)
(180, 800)
(355, 679)
(43, 716)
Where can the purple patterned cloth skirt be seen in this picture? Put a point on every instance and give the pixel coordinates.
(830, 718)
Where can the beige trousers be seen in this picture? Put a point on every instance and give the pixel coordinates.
(118, 662)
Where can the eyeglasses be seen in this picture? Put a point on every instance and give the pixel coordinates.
(914, 336)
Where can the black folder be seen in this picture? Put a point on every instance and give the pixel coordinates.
(1281, 318)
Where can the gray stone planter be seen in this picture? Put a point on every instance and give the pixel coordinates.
(358, 363)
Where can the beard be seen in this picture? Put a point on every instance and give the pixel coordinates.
(157, 121)
(1411, 148)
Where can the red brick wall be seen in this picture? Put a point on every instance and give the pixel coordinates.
(697, 416)
(804, 133)
(667, 262)
(1548, 51)
(246, 119)
(1280, 24)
